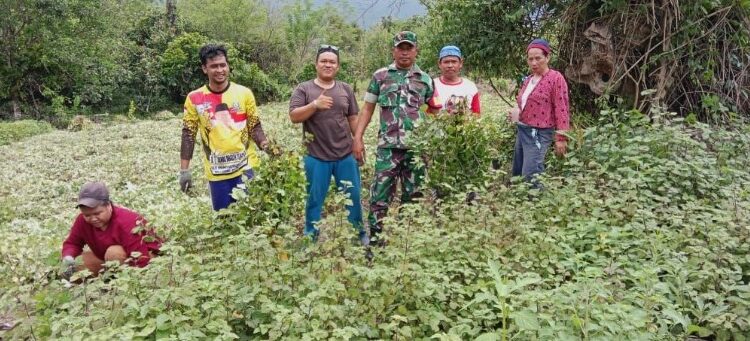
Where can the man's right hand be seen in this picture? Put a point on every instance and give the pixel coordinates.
(358, 149)
(69, 263)
(323, 102)
(186, 180)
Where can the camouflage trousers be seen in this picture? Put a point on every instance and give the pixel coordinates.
(392, 165)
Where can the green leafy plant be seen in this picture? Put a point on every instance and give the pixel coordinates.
(460, 149)
(14, 131)
(640, 233)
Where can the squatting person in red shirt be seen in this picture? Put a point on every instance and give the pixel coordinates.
(542, 114)
(112, 233)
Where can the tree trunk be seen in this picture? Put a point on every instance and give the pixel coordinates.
(172, 16)
(17, 114)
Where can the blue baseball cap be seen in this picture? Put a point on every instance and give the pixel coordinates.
(450, 50)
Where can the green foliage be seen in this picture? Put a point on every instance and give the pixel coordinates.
(152, 33)
(60, 106)
(374, 51)
(492, 34)
(691, 56)
(181, 69)
(641, 234)
(181, 66)
(14, 131)
(251, 26)
(377, 45)
(243, 21)
(306, 27)
(280, 183)
(71, 47)
(80, 123)
(459, 150)
(264, 88)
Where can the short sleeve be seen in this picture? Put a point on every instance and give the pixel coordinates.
(299, 98)
(429, 95)
(353, 105)
(476, 107)
(435, 102)
(373, 91)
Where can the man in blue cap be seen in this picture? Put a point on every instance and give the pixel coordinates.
(457, 94)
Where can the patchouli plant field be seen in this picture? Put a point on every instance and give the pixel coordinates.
(641, 233)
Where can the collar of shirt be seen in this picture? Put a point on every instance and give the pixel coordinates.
(413, 71)
(531, 76)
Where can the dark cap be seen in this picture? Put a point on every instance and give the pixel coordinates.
(405, 37)
(93, 194)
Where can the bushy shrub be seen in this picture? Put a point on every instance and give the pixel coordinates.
(163, 115)
(151, 31)
(279, 183)
(182, 73)
(461, 149)
(14, 131)
(79, 123)
(264, 88)
(180, 65)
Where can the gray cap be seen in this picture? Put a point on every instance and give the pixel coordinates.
(93, 194)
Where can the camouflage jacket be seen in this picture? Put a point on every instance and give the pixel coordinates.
(400, 94)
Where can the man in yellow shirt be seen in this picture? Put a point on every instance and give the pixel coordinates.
(225, 115)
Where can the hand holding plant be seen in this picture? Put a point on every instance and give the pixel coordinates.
(561, 148)
(271, 148)
(69, 265)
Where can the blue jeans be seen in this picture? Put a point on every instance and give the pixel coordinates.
(221, 191)
(531, 146)
(318, 173)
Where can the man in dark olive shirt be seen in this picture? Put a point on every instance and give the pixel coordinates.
(112, 233)
(328, 112)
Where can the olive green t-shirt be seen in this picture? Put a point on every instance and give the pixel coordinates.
(331, 135)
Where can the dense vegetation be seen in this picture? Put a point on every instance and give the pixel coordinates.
(64, 58)
(642, 231)
(641, 234)
(690, 57)
(17, 130)
(72, 57)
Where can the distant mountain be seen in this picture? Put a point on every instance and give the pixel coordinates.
(369, 12)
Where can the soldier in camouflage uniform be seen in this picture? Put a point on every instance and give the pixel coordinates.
(400, 89)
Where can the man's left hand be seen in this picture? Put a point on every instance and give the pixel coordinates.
(561, 148)
(358, 149)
